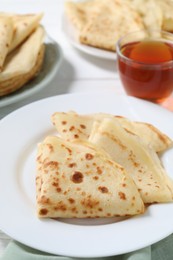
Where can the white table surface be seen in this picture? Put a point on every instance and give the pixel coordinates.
(79, 72)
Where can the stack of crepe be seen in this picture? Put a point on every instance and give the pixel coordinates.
(100, 23)
(100, 165)
(21, 50)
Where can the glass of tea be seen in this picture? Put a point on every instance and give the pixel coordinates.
(145, 64)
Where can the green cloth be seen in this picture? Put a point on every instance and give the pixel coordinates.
(162, 250)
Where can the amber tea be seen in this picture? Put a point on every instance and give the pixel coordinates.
(146, 69)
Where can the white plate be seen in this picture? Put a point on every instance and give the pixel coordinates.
(72, 37)
(51, 64)
(19, 134)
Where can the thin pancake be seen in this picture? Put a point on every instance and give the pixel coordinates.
(78, 180)
(71, 125)
(140, 162)
(12, 84)
(6, 34)
(113, 20)
(24, 25)
(167, 10)
(23, 59)
(160, 18)
(150, 134)
(80, 13)
(151, 19)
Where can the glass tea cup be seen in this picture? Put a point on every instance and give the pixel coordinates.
(145, 64)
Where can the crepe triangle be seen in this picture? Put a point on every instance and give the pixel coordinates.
(6, 33)
(23, 59)
(79, 13)
(78, 180)
(113, 20)
(24, 25)
(139, 160)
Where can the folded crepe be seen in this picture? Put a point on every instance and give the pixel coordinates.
(100, 23)
(140, 162)
(6, 34)
(113, 20)
(156, 14)
(24, 25)
(167, 11)
(80, 13)
(78, 180)
(150, 12)
(23, 63)
(71, 125)
(150, 134)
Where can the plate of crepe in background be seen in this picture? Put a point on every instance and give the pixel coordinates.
(95, 26)
(72, 37)
(76, 237)
(24, 69)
